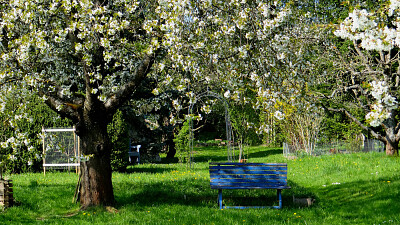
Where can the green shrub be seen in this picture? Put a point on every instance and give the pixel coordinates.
(182, 143)
(117, 130)
(21, 132)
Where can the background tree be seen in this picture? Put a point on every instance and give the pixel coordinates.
(238, 46)
(366, 74)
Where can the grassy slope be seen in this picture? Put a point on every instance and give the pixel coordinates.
(349, 189)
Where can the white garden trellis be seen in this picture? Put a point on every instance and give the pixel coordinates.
(229, 136)
(60, 148)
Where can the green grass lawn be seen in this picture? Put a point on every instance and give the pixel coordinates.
(362, 188)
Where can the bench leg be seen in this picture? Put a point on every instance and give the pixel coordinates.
(220, 198)
(279, 198)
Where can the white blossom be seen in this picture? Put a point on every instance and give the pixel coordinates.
(227, 94)
(279, 115)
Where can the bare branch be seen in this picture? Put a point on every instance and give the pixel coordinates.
(362, 55)
(358, 122)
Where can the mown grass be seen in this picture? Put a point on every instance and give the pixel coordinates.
(362, 188)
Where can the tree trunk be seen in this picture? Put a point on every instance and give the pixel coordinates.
(96, 181)
(392, 148)
(171, 149)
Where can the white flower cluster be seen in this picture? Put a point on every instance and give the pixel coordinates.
(273, 19)
(152, 122)
(381, 110)
(394, 5)
(367, 27)
(206, 109)
(177, 106)
(279, 115)
(263, 129)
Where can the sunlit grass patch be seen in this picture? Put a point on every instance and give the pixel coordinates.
(361, 188)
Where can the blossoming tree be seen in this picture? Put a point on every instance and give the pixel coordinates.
(87, 58)
(370, 71)
(232, 46)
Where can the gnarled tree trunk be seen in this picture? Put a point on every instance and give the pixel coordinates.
(96, 173)
(391, 141)
(392, 148)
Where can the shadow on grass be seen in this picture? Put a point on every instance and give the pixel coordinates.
(186, 192)
(372, 198)
(213, 154)
(195, 192)
(266, 153)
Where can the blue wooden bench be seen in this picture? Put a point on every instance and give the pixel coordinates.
(248, 176)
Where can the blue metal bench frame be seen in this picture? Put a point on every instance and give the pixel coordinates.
(248, 176)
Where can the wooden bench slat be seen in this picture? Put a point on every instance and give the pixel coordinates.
(249, 187)
(250, 176)
(247, 164)
(238, 182)
(217, 180)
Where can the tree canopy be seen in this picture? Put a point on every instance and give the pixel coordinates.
(87, 58)
(366, 74)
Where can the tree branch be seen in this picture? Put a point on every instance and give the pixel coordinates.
(62, 107)
(124, 93)
(376, 135)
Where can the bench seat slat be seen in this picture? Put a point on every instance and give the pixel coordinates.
(245, 176)
(249, 187)
(217, 180)
(250, 184)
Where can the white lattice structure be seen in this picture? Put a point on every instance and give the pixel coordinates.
(60, 148)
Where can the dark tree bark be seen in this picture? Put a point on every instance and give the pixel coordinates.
(91, 117)
(171, 149)
(96, 173)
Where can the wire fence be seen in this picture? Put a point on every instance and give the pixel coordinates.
(368, 145)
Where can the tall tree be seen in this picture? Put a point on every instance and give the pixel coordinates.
(87, 58)
(366, 62)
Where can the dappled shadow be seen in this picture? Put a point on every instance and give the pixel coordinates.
(266, 153)
(379, 197)
(197, 192)
(165, 193)
(45, 194)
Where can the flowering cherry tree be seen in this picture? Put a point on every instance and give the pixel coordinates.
(234, 46)
(371, 72)
(87, 58)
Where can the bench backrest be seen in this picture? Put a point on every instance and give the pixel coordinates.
(248, 175)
